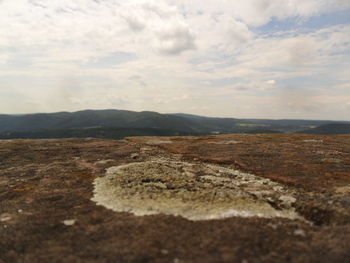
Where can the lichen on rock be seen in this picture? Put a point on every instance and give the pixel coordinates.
(195, 191)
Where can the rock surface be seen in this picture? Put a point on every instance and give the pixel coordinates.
(195, 191)
(48, 212)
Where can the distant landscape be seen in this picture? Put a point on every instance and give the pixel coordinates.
(117, 124)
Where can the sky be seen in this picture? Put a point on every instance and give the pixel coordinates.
(242, 59)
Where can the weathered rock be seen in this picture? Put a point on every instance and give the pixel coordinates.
(44, 183)
(193, 191)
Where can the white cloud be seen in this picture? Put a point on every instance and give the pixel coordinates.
(179, 47)
(174, 40)
(135, 21)
(240, 32)
(259, 12)
(344, 86)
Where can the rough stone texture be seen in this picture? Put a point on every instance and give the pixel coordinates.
(316, 162)
(46, 212)
(195, 191)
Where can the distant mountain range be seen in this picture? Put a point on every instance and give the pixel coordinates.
(103, 133)
(121, 123)
(331, 128)
(91, 118)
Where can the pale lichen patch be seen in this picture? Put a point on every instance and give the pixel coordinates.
(104, 161)
(343, 189)
(196, 191)
(69, 222)
(313, 140)
(228, 142)
(157, 142)
(5, 217)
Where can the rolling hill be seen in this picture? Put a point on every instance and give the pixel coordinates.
(94, 118)
(331, 128)
(122, 123)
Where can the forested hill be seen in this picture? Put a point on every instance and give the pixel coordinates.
(331, 128)
(89, 121)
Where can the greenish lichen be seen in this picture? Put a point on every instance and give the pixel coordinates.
(195, 191)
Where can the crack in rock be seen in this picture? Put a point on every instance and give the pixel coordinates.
(195, 191)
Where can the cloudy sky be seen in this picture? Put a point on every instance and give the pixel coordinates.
(247, 59)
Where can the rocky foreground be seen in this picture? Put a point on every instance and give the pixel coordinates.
(227, 198)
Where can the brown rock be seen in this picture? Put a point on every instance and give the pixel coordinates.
(51, 181)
